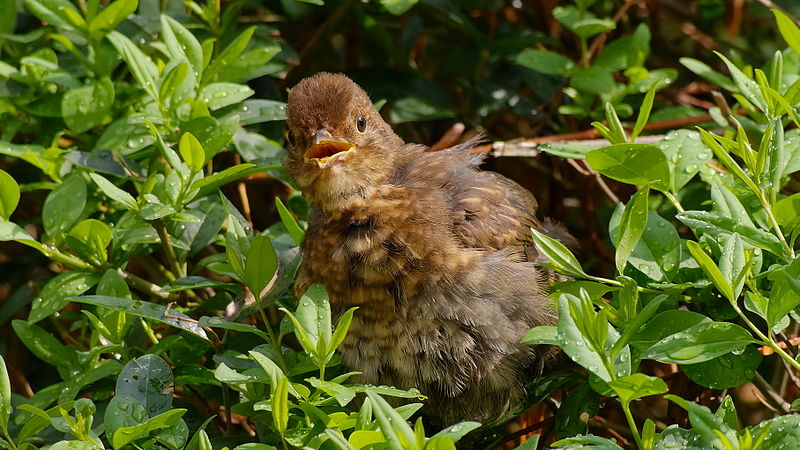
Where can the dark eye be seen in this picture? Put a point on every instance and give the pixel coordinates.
(361, 123)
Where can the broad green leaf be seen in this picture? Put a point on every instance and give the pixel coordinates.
(192, 152)
(701, 342)
(227, 56)
(125, 435)
(45, 346)
(782, 431)
(541, 335)
(237, 246)
(686, 155)
(9, 195)
(637, 164)
(53, 297)
(60, 13)
(636, 386)
(148, 380)
(582, 22)
(64, 205)
(785, 295)
(291, 225)
(258, 111)
(140, 65)
(727, 371)
(342, 394)
(787, 212)
(631, 227)
(559, 256)
(706, 424)
(716, 226)
(545, 61)
(182, 44)
(592, 79)
(147, 310)
(579, 403)
(314, 316)
(197, 282)
(220, 95)
(89, 239)
(260, 265)
(113, 192)
(113, 15)
(457, 431)
(398, 7)
(728, 205)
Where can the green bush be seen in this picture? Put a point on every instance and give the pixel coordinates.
(123, 127)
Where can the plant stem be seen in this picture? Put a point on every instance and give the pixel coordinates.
(143, 285)
(169, 250)
(674, 200)
(632, 424)
(774, 222)
(766, 340)
(276, 346)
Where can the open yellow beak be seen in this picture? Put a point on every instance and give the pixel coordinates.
(326, 149)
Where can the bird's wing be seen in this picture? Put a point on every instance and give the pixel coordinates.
(489, 211)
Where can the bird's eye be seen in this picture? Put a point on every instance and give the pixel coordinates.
(361, 123)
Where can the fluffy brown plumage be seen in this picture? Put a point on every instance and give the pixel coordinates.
(436, 254)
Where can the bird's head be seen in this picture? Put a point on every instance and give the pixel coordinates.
(340, 145)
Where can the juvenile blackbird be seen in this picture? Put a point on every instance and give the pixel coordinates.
(436, 254)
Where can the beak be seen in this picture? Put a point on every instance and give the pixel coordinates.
(327, 149)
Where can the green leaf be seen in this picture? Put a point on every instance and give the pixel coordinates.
(53, 297)
(141, 66)
(703, 70)
(113, 192)
(341, 330)
(261, 264)
(219, 322)
(291, 225)
(5, 395)
(686, 155)
(541, 335)
(147, 310)
(113, 15)
(593, 79)
(787, 212)
(45, 346)
(544, 61)
(148, 380)
(60, 13)
(9, 195)
(727, 371)
(227, 56)
(582, 22)
(745, 85)
(788, 30)
(124, 435)
(644, 113)
(636, 386)
(394, 427)
(89, 239)
(716, 225)
(637, 164)
(182, 44)
(706, 424)
(631, 227)
(64, 205)
(785, 295)
(220, 95)
(701, 342)
(192, 152)
(398, 7)
(280, 405)
(559, 256)
(711, 270)
(732, 262)
(782, 431)
(314, 316)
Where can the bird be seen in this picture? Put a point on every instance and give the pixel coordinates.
(436, 254)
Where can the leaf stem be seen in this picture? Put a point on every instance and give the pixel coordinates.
(766, 340)
(276, 345)
(632, 424)
(674, 200)
(143, 285)
(169, 250)
(774, 222)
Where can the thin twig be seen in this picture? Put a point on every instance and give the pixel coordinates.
(143, 285)
(770, 395)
